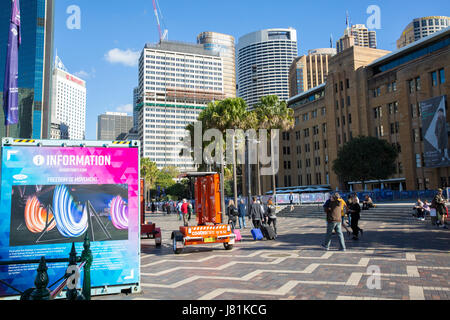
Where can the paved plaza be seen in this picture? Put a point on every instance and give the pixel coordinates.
(398, 258)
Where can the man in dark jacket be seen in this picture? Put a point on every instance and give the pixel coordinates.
(256, 214)
(333, 209)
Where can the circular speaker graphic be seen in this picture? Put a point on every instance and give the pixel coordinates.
(71, 219)
(36, 217)
(119, 213)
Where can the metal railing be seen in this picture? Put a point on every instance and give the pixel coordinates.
(69, 280)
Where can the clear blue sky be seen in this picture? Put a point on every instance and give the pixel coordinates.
(113, 32)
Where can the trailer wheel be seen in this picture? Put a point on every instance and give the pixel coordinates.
(175, 250)
(227, 246)
(176, 237)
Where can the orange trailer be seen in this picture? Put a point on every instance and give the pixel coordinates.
(210, 227)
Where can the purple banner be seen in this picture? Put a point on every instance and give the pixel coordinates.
(10, 89)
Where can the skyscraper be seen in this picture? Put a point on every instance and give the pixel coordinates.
(422, 27)
(68, 101)
(224, 45)
(35, 62)
(263, 61)
(176, 82)
(309, 71)
(113, 126)
(357, 35)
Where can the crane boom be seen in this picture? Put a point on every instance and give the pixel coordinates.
(157, 20)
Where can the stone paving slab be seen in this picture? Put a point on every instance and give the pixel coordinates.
(409, 259)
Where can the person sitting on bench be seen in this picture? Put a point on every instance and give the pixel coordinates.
(419, 207)
(368, 203)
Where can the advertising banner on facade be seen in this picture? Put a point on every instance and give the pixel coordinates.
(52, 197)
(435, 132)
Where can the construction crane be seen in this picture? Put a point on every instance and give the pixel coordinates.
(162, 35)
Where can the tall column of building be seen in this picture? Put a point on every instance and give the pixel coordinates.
(68, 109)
(263, 61)
(35, 61)
(176, 82)
(224, 45)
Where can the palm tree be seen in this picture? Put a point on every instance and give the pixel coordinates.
(273, 114)
(222, 115)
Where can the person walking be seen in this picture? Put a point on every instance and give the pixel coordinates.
(354, 211)
(291, 200)
(178, 208)
(333, 209)
(242, 209)
(256, 214)
(232, 213)
(271, 215)
(184, 211)
(343, 211)
(190, 210)
(439, 204)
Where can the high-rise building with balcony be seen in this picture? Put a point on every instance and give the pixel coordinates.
(224, 45)
(35, 67)
(422, 27)
(263, 61)
(176, 82)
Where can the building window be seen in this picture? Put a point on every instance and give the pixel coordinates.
(393, 107)
(348, 83)
(306, 132)
(411, 86)
(434, 78)
(394, 86)
(400, 168)
(379, 131)
(376, 92)
(442, 76)
(348, 101)
(418, 84)
(377, 112)
(418, 161)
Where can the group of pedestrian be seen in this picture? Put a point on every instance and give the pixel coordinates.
(259, 214)
(336, 209)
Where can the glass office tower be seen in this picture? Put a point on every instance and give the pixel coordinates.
(35, 60)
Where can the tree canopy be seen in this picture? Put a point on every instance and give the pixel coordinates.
(366, 158)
